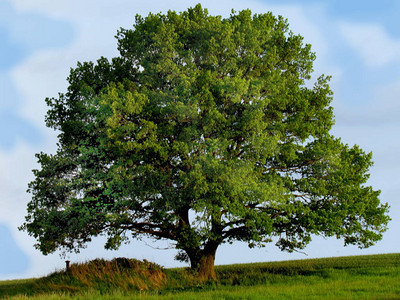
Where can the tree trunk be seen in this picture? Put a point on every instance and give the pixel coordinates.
(206, 265)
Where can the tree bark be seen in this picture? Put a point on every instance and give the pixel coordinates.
(206, 269)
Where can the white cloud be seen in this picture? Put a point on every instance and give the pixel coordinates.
(376, 47)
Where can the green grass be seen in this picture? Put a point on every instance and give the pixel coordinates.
(354, 277)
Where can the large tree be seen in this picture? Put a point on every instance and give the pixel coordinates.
(203, 131)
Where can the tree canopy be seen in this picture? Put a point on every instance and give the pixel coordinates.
(204, 130)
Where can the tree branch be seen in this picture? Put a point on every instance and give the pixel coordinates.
(149, 228)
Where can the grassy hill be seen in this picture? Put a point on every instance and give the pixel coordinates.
(352, 277)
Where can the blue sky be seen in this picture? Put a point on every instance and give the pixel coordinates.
(357, 42)
(21, 35)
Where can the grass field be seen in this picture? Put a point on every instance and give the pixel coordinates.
(353, 277)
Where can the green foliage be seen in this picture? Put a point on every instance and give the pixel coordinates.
(203, 131)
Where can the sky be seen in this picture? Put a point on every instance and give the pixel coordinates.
(356, 42)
